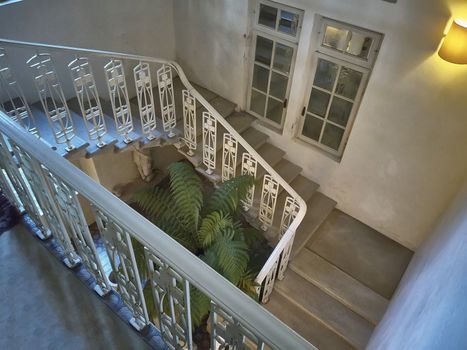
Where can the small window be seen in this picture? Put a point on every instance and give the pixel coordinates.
(343, 63)
(279, 19)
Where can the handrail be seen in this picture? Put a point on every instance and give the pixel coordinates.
(288, 235)
(194, 270)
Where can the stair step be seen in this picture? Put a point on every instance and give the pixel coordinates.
(240, 121)
(206, 93)
(255, 138)
(220, 104)
(45, 130)
(304, 187)
(287, 170)
(305, 324)
(82, 132)
(339, 285)
(343, 321)
(319, 207)
(271, 154)
(362, 252)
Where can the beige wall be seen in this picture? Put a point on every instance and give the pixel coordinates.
(405, 158)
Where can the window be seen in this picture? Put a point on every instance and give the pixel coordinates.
(275, 35)
(344, 59)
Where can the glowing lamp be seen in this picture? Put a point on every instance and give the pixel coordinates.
(454, 47)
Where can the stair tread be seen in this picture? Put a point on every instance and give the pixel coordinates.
(305, 324)
(240, 121)
(340, 285)
(287, 170)
(362, 252)
(223, 106)
(352, 327)
(45, 130)
(319, 207)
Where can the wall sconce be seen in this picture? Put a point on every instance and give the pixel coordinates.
(454, 47)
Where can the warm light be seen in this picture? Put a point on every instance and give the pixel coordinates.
(454, 47)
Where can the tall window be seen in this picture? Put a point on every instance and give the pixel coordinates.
(275, 37)
(344, 58)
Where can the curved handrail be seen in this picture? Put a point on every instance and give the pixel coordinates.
(302, 204)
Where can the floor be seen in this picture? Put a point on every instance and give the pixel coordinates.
(44, 305)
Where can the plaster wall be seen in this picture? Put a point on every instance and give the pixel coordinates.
(142, 27)
(405, 158)
(427, 311)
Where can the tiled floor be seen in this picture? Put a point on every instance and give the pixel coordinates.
(44, 305)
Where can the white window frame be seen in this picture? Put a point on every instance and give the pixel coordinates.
(278, 37)
(363, 65)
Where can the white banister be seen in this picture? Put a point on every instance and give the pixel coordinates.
(279, 258)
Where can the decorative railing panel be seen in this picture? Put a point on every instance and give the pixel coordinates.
(209, 142)
(147, 111)
(189, 122)
(167, 99)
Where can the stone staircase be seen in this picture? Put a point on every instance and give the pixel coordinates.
(319, 297)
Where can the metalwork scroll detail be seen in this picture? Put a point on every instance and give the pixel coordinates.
(119, 99)
(249, 167)
(16, 107)
(171, 294)
(209, 141)
(189, 121)
(167, 99)
(88, 99)
(52, 98)
(120, 251)
(229, 157)
(145, 96)
(268, 201)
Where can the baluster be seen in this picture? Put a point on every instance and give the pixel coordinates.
(52, 99)
(229, 157)
(228, 333)
(21, 188)
(171, 294)
(17, 108)
(120, 251)
(119, 100)
(145, 97)
(268, 201)
(34, 173)
(289, 214)
(88, 99)
(72, 213)
(189, 121)
(166, 96)
(249, 167)
(268, 283)
(209, 142)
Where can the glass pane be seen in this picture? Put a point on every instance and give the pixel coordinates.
(312, 127)
(258, 102)
(267, 16)
(278, 86)
(340, 111)
(332, 136)
(335, 38)
(288, 23)
(319, 101)
(348, 83)
(260, 78)
(283, 58)
(275, 109)
(359, 45)
(326, 73)
(263, 52)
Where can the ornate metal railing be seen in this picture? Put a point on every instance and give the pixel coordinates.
(217, 133)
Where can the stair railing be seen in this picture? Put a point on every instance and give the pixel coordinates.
(263, 204)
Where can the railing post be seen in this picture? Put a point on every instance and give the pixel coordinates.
(189, 122)
(88, 99)
(167, 99)
(119, 100)
(145, 96)
(209, 142)
(122, 258)
(52, 98)
(16, 107)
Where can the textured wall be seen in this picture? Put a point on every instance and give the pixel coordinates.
(405, 158)
(429, 310)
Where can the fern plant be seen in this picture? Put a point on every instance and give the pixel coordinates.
(209, 227)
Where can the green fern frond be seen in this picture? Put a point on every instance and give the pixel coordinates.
(187, 192)
(200, 305)
(232, 255)
(212, 227)
(248, 284)
(229, 195)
